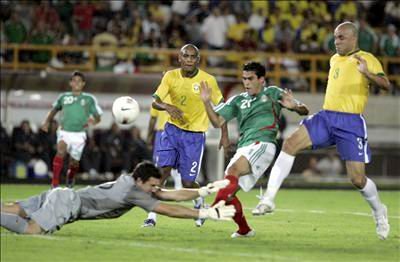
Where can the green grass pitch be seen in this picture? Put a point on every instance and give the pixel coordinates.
(308, 225)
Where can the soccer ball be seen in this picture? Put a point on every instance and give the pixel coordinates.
(125, 110)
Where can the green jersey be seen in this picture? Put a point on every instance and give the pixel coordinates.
(257, 115)
(76, 110)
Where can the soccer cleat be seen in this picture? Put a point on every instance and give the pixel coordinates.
(263, 207)
(251, 233)
(382, 223)
(149, 223)
(199, 222)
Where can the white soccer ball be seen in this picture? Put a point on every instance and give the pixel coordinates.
(125, 110)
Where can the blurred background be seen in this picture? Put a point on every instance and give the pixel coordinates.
(124, 46)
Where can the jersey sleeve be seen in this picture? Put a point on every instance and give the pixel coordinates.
(154, 112)
(216, 95)
(143, 200)
(374, 66)
(57, 105)
(163, 89)
(227, 110)
(94, 108)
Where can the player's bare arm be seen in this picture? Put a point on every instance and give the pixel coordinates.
(288, 101)
(49, 118)
(380, 81)
(171, 109)
(218, 212)
(189, 194)
(150, 132)
(205, 95)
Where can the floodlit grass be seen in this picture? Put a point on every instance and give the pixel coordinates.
(308, 225)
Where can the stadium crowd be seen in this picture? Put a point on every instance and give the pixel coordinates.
(107, 151)
(282, 26)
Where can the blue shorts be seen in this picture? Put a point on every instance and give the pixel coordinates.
(347, 131)
(182, 150)
(156, 146)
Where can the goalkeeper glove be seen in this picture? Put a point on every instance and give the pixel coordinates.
(218, 212)
(213, 187)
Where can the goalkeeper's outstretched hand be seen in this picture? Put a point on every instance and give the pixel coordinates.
(218, 212)
(213, 187)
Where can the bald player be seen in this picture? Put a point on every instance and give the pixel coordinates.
(183, 140)
(339, 123)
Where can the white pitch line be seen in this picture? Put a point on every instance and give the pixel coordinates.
(325, 212)
(158, 247)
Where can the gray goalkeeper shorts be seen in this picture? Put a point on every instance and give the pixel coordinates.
(52, 209)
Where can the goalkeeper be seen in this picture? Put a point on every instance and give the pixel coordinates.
(49, 211)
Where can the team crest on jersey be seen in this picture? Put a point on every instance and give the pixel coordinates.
(196, 87)
(83, 102)
(264, 98)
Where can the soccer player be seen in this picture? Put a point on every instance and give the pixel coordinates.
(79, 110)
(49, 211)
(183, 140)
(155, 128)
(257, 111)
(340, 123)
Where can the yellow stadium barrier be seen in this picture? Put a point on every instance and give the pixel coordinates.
(279, 65)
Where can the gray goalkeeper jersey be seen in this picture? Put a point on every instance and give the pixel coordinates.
(113, 199)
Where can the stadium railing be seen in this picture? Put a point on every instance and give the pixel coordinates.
(311, 67)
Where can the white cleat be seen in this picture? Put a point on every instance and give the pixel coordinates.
(263, 207)
(251, 233)
(382, 223)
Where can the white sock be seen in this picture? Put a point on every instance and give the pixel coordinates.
(177, 179)
(279, 172)
(198, 202)
(370, 193)
(152, 215)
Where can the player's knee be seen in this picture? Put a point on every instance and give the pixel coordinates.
(358, 181)
(289, 146)
(232, 171)
(189, 184)
(74, 163)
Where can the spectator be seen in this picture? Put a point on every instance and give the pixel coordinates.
(214, 30)
(83, 17)
(6, 154)
(47, 144)
(392, 13)
(193, 30)
(112, 147)
(135, 150)
(256, 20)
(105, 59)
(91, 158)
(41, 36)
(46, 14)
(311, 172)
(24, 142)
(330, 165)
(15, 30)
(367, 39)
(390, 42)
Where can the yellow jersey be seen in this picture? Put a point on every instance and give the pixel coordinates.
(348, 89)
(162, 116)
(185, 95)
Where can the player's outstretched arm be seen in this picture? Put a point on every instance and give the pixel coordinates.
(218, 212)
(288, 101)
(48, 119)
(190, 194)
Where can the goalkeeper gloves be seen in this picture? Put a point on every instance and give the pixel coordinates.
(213, 187)
(218, 212)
